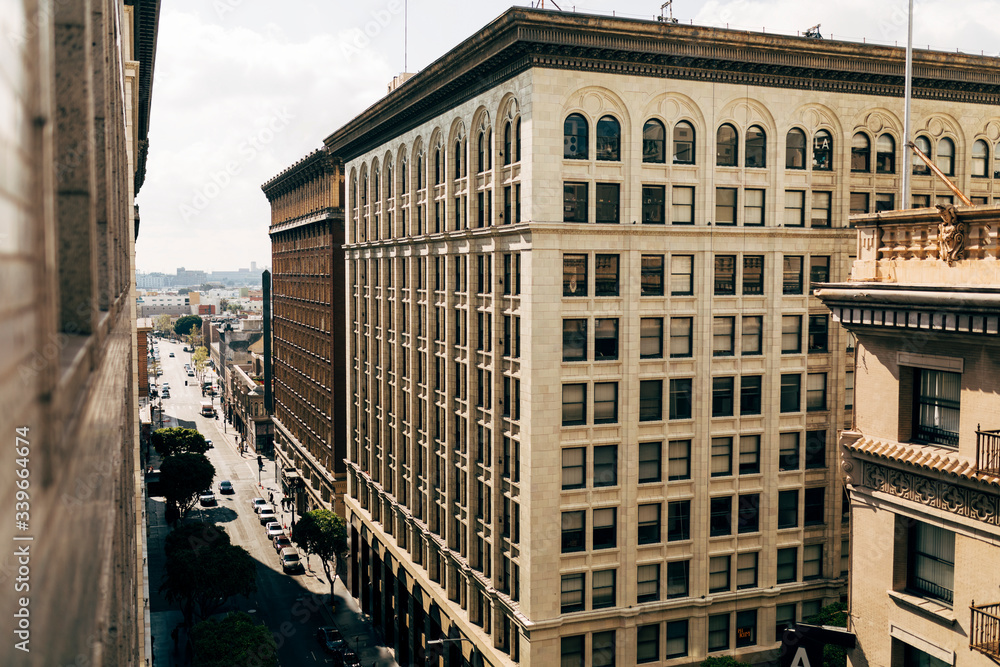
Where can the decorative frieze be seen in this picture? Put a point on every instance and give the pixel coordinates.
(937, 493)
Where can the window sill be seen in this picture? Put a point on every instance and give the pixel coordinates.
(932, 608)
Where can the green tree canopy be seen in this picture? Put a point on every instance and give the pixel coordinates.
(202, 579)
(324, 534)
(235, 640)
(835, 615)
(184, 476)
(194, 536)
(161, 324)
(178, 440)
(723, 661)
(183, 325)
(200, 358)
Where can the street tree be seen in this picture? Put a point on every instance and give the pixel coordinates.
(201, 580)
(833, 615)
(200, 359)
(235, 640)
(161, 324)
(183, 325)
(178, 440)
(183, 477)
(323, 534)
(194, 536)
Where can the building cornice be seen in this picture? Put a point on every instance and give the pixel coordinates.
(331, 215)
(315, 164)
(925, 459)
(524, 38)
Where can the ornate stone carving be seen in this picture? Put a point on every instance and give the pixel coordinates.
(939, 494)
(951, 234)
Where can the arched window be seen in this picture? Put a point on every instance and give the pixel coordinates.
(507, 139)
(756, 148)
(945, 160)
(482, 152)
(980, 158)
(861, 153)
(437, 166)
(920, 167)
(654, 142)
(404, 174)
(822, 151)
(489, 149)
(795, 149)
(885, 154)
(575, 137)
(375, 180)
(388, 180)
(683, 143)
(420, 171)
(517, 140)
(354, 194)
(458, 159)
(726, 146)
(364, 191)
(996, 160)
(609, 139)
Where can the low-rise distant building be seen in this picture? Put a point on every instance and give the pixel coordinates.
(159, 303)
(246, 389)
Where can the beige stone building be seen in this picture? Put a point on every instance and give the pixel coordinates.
(922, 461)
(593, 405)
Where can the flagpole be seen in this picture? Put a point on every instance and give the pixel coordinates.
(907, 91)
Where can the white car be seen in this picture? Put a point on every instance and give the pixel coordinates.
(266, 515)
(256, 504)
(207, 499)
(274, 529)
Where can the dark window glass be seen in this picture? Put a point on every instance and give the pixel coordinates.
(812, 562)
(683, 143)
(819, 269)
(651, 338)
(819, 326)
(650, 465)
(654, 204)
(746, 628)
(718, 632)
(795, 149)
(602, 596)
(861, 153)
(930, 567)
(574, 202)
(787, 565)
(980, 159)
(859, 203)
(606, 275)
(749, 454)
(726, 146)
(647, 643)
(725, 274)
(649, 524)
(791, 334)
(574, 408)
(750, 394)
(945, 159)
(822, 151)
(571, 651)
(575, 340)
(678, 574)
(814, 506)
(574, 536)
(652, 275)
(678, 520)
(722, 396)
(650, 400)
(815, 449)
(725, 206)
(572, 593)
(607, 203)
(721, 517)
(885, 201)
(575, 137)
(679, 462)
(653, 142)
(746, 570)
(680, 398)
(748, 520)
(753, 274)
(677, 639)
(605, 339)
(609, 139)
(788, 509)
(605, 528)
(574, 468)
(574, 275)
(648, 583)
(756, 148)
(815, 391)
(788, 451)
(605, 405)
(938, 407)
(920, 167)
(791, 386)
(792, 275)
(885, 155)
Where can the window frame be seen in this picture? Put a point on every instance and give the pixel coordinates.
(576, 209)
(608, 137)
(602, 275)
(581, 135)
(572, 466)
(684, 331)
(654, 204)
(654, 151)
(605, 203)
(581, 403)
(648, 335)
(646, 402)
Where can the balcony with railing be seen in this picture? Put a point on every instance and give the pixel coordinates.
(984, 635)
(988, 451)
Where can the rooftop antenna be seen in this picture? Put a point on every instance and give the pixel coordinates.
(669, 5)
(541, 5)
(813, 32)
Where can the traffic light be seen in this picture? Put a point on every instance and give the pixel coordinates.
(260, 462)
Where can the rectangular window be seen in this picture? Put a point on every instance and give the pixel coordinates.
(792, 275)
(682, 206)
(606, 275)
(815, 392)
(651, 338)
(821, 209)
(605, 534)
(607, 203)
(605, 339)
(606, 465)
(652, 275)
(746, 628)
(680, 398)
(648, 583)
(819, 269)
(650, 400)
(849, 390)
(575, 340)
(678, 574)
(654, 204)
(753, 274)
(678, 520)
(812, 561)
(938, 407)
(574, 203)
(885, 201)
(750, 394)
(605, 403)
(603, 594)
(930, 567)
(819, 328)
(677, 639)
(723, 390)
(650, 463)
(718, 574)
(723, 336)
(749, 454)
(787, 565)
(815, 449)
(681, 275)
(571, 651)
(725, 275)
(795, 208)
(748, 519)
(813, 506)
(725, 206)
(507, 204)
(649, 524)
(574, 535)
(859, 203)
(784, 616)
(574, 468)
(788, 509)
(753, 208)
(679, 460)
(647, 644)
(574, 275)
(572, 593)
(574, 404)
(788, 451)
(752, 335)
(681, 329)
(746, 570)
(791, 334)
(718, 632)
(720, 521)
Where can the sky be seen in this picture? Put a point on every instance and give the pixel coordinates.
(242, 89)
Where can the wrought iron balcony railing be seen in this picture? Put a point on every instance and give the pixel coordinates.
(988, 451)
(984, 635)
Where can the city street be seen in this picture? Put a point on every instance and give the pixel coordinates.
(292, 606)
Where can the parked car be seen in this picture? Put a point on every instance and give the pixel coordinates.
(190, 373)
(171, 354)
(207, 498)
(165, 393)
(281, 542)
(349, 659)
(331, 640)
(208, 441)
(225, 486)
(266, 515)
(274, 529)
(256, 503)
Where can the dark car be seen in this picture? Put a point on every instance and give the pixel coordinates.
(226, 487)
(349, 659)
(330, 639)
